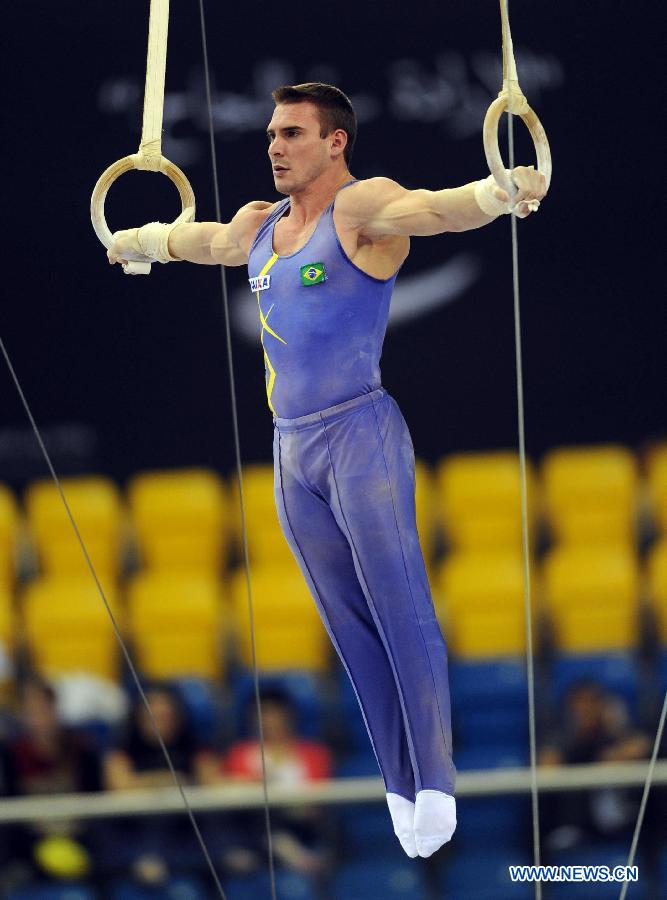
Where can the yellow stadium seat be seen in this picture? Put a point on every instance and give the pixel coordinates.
(489, 633)
(8, 534)
(480, 500)
(591, 494)
(657, 584)
(483, 581)
(175, 621)
(7, 636)
(266, 542)
(588, 578)
(595, 630)
(286, 648)
(426, 509)
(657, 484)
(288, 630)
(180, 519)
(95, 506)
(68, 628)
(279, 594)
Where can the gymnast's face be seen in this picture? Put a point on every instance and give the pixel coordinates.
(297, 151)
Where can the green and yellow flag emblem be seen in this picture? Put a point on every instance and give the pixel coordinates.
(313, 273)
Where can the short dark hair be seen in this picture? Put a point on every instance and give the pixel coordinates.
(335, 108)
(270, 694)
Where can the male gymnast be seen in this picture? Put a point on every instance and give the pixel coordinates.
(322, 263)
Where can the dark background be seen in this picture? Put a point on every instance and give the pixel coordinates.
(130, 373)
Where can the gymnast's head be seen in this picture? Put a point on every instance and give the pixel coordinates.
(311, 135)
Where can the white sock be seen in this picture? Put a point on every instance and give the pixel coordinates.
(435, 820)
(403, 816)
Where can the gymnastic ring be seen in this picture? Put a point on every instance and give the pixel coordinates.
(107, 178)
(520, 108)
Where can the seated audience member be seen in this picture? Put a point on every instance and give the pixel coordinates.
(155, 847)
(595, 728)
(137, 759)
(41, 758)
(300, 835)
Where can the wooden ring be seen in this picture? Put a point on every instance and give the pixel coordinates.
(117, 169)
(538, 134)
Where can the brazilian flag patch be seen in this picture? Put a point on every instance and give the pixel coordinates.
(313, 273)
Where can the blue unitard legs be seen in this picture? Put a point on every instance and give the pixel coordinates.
(344, 484)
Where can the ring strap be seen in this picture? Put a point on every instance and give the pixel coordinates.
(509, 65)
(512, 100)
(150, 150)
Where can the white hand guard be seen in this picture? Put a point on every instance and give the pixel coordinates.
(153, 238)
(492, 206)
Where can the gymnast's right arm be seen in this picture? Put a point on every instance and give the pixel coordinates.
(206, 243)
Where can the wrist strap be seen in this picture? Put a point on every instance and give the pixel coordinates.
(487, 201)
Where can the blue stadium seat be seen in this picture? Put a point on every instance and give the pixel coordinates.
(54, 892)
(662, 672)
(618, 672)
(489, 683)
(358, 765)
(377, 880)
(483, 874)
(492, 756)
(175, 889)
(289, 886)
(199, 699)
(303, 688)
(661, 873)
(368, 833)
(496, 821)
(475, 726)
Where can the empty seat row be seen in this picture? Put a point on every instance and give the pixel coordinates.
(178, 624)
(591, 597)
(586, 495)
(189, 623)
(190, 518)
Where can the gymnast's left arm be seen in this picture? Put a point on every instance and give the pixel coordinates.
(380, 206)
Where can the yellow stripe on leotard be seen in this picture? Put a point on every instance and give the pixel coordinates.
(266, 327)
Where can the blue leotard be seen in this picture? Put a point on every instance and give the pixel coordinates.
(323, 319)
(345, 494)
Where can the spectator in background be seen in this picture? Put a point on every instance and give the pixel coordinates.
(137, 760)
(156, 847)
(595, 728)
(46, 758)
(300, 835)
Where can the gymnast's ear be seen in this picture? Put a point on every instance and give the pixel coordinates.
(338, 139)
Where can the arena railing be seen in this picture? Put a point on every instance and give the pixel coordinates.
(223, 797)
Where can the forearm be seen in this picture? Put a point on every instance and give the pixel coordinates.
(458, 209)
(193, 241)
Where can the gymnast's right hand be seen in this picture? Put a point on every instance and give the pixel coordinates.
(150, 243)
(125, 247)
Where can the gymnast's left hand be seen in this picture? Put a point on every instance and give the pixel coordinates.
(531, 188)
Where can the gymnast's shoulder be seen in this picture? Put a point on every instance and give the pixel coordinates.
(362, 200)
(248, 220)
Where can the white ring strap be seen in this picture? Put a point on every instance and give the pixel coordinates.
(150, 149)
(512, 96)
(149, 156)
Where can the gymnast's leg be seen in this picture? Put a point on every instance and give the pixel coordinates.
(372, 497)
(325, 559)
